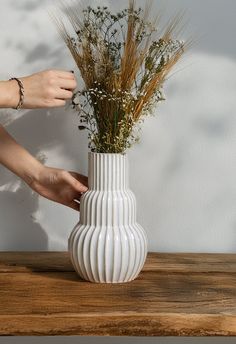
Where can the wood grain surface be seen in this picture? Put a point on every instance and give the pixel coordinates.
(175, 295)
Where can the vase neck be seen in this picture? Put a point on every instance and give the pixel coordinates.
(107, 171)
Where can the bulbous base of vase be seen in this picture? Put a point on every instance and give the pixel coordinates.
(108, 254)
(108, 245)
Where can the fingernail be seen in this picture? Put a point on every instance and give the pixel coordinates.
(84, 189)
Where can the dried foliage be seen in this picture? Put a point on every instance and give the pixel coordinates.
(124, 63)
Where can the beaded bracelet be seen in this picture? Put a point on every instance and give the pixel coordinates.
(22, 93)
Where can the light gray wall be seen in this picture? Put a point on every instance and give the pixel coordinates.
(182, 172)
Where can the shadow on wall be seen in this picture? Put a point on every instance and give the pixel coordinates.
(19, 231)
(38, 131)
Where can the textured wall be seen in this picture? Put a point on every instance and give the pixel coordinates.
(182, 172)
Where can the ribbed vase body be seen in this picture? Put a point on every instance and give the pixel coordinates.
(108, 245)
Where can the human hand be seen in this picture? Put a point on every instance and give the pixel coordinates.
(55, 184)
(46, 89)
(60, 186)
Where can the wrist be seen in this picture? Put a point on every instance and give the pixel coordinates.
(18, 160)
(32, 172)
(9, 94)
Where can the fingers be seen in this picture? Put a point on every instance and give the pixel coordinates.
(64, 94)
(80, 177)
(58, 85)
(74, 205)
(64, 74)
(76, 184)
(68, 84)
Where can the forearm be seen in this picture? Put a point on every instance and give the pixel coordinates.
(17, 159)
(9, 94)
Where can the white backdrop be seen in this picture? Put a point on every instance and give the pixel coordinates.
(182, 172)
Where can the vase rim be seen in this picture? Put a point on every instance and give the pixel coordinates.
(95, 153)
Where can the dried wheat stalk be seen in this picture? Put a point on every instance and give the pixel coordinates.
(123, 63)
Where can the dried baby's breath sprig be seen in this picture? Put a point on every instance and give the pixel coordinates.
(123, 63)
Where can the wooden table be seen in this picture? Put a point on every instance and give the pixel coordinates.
(175, 295)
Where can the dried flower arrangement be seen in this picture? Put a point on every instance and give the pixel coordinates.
(124, 62)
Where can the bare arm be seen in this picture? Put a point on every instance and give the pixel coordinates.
(55, 184)
(9, 94)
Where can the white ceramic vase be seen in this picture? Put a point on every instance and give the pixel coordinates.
(108, 245)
